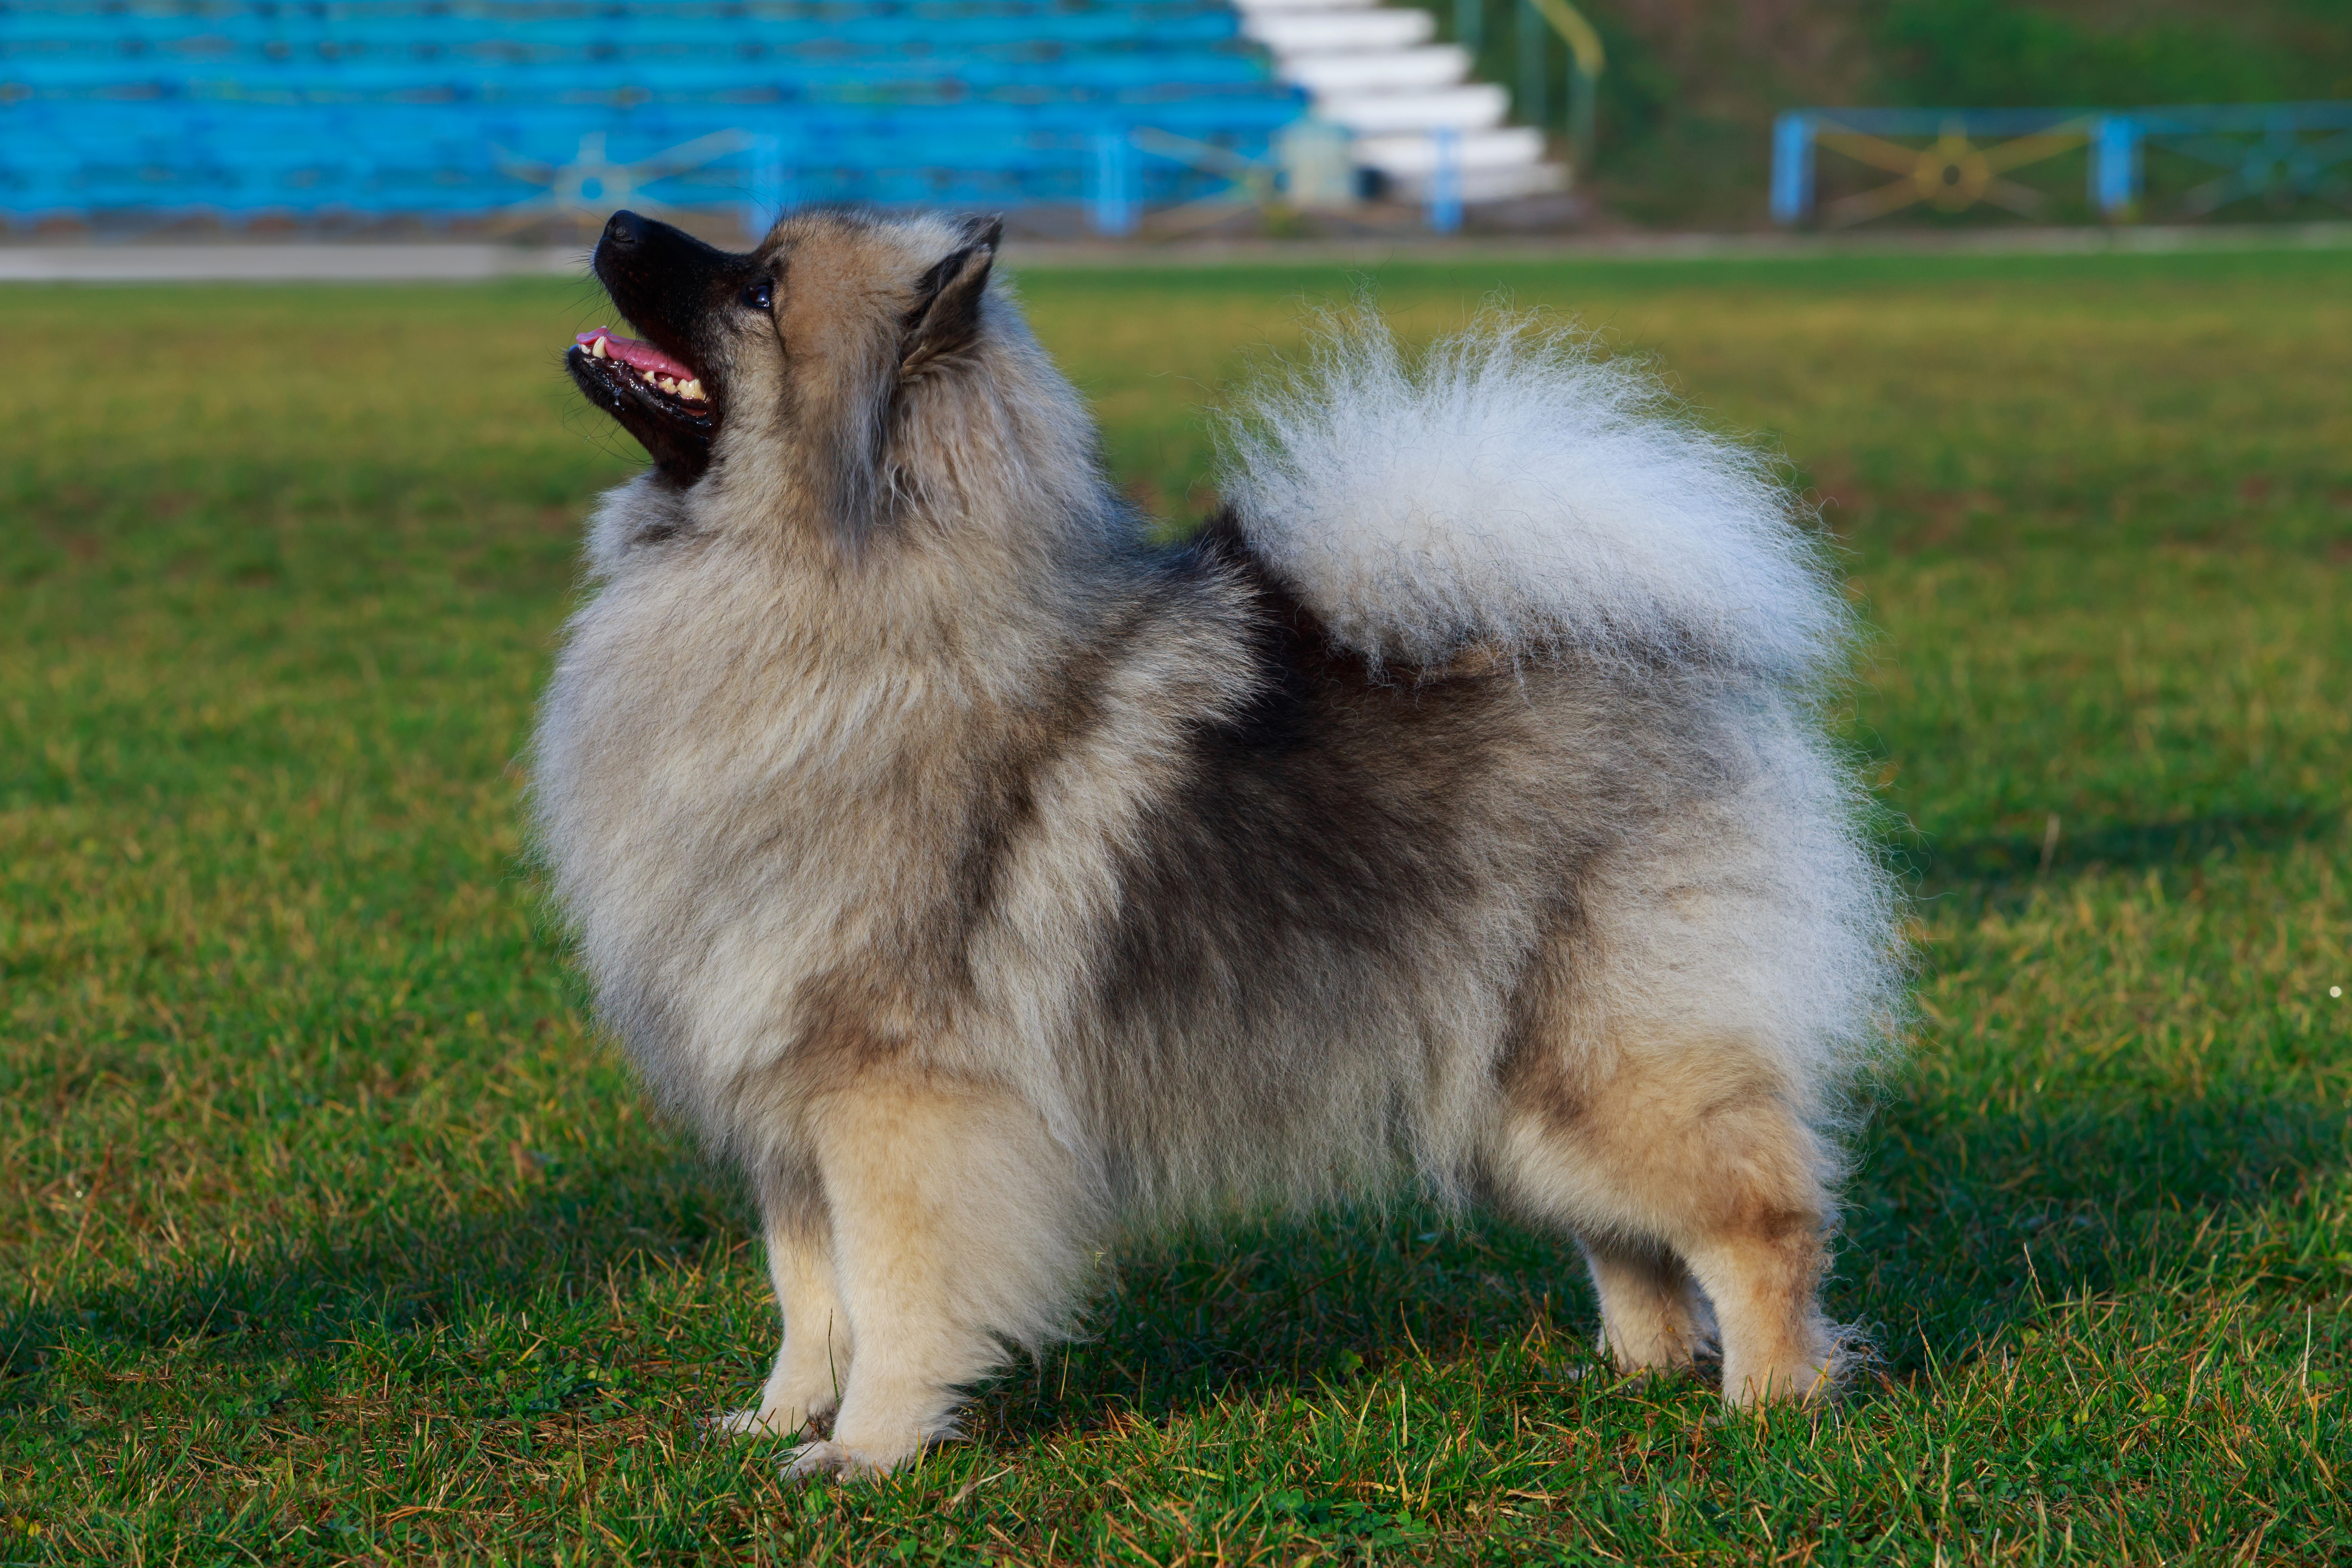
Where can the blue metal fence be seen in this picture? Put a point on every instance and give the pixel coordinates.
(504, 110)
(2282, 153)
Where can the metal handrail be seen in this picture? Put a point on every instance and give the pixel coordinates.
(1587, 59)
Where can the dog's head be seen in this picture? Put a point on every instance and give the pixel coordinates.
(786, 367)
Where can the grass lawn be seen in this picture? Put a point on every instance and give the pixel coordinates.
(331, 1232)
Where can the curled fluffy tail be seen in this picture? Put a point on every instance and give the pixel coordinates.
(1512, 487)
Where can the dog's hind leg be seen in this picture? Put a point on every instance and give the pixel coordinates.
(814, 1360)
(1652, 1315)
(1672, 1160)
(959, 1227)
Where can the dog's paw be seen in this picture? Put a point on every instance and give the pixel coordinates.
(755, 1424)
(831, 1461)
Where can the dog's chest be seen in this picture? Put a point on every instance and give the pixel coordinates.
(723, 826)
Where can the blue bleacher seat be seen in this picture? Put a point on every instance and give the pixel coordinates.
(448, 108)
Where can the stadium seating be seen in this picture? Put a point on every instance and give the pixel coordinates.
(498, 110)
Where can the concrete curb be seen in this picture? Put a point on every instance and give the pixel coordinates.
(304, 261)
(292, 262)
(2150, 240)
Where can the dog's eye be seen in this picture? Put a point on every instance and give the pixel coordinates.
(761, 295)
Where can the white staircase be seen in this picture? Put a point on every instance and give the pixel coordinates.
(1372, 71)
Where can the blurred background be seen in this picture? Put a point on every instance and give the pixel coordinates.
(530, 120)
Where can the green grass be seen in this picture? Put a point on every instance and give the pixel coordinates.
(330, 1232)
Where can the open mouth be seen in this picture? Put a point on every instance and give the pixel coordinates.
(657, 397)
(675, 380)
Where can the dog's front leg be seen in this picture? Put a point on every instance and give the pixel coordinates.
(812, 1362)
(959, 1227)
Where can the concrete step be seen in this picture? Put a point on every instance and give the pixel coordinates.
(1471, 106)
(1377, 73)
(1380, 70)
(1321, 32)
(1402, 155)
(1496, 185)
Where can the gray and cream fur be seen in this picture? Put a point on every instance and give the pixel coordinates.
(987, 880)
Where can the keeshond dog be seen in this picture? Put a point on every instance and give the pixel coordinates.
(988, 880)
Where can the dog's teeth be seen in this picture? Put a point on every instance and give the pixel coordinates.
(667, 385)
(651, 379)
(597, 348)
(691, 390)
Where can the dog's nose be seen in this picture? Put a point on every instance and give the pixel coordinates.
(624, 227)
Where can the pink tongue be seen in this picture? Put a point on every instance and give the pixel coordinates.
(637, 355)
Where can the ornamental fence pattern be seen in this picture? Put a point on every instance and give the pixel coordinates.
(2127, 164)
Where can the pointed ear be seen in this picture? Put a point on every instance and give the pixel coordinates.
(945, 318)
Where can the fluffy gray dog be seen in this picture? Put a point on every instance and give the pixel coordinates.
(987, 880)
